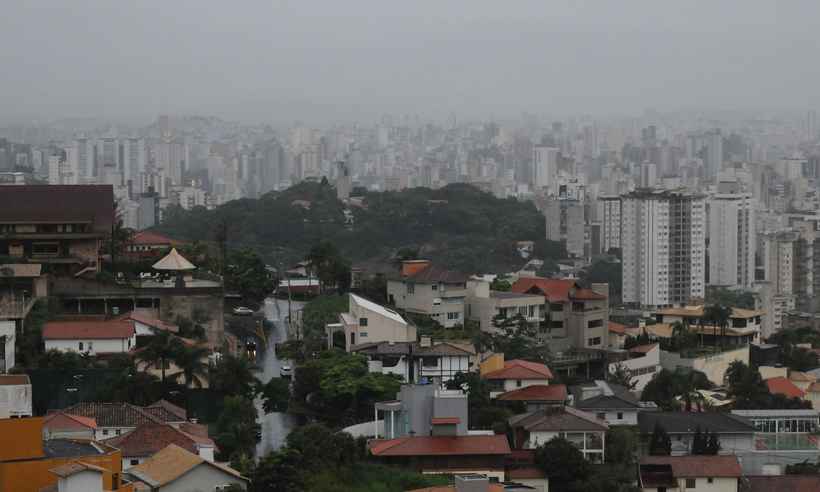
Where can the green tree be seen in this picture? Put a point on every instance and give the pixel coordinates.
(515, 338)
(236, 428)
(720, 317)
(621, 445)
(246, 274)
(233, 375)
(160, 351)
(659, 443)
(622, 376)
(279, 472)
(275, 395)
(604, 271)
(564, 464)
(192, 360)
(728, 297)
(501, 284)
(803, 468)
(327, 264)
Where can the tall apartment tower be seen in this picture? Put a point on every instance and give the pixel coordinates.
(566, 222)
(663, 245)
(544, 166)
(732, 240)
(714, 153)
(609, 213)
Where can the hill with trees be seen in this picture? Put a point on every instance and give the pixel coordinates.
(460, 226)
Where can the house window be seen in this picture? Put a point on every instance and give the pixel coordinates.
(45, 249)
(411, 288)
(620, 415)
(105, 432)
(517, 383)
(690, 483)
(595, 323)
(601, 416)
(362, 334)
(362, 321)
(429, 361)
(710, 480)
(117, 432)
(81, 346)
(452, 316)
(352, 339)
(90, 346)
(594, 341)
(531, 311)
(134, 462)
(435, 286)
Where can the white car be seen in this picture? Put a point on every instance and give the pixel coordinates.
(242, 311)
(285, 371)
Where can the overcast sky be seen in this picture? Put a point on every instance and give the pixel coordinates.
(271, 60)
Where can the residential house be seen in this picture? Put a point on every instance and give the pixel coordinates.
(423, 361)
(536, 397)
(744, 324)
(92, 337)
(62, 425)
(67, 238)
(486, 306)
(25, 458)
(781, 438)
(368, 322)
(783, 386)
(689, 474)
(147, 324)
(149, 439)
(148, 244)
(617, 334)
(459, 454)
(22, 285)
(736, 434)
(415, 409)
(77, 476)
(582, 429)
(612, 403)
(575, 317)
(641, 362)
(114, 419)
(510, 375)
(423, 288)
(15, 396)
(176, 469)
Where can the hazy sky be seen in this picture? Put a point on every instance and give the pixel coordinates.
(274, 60)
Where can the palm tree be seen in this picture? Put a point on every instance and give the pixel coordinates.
(233, 374)
(193, 361)
(719, 316)
(162, 348)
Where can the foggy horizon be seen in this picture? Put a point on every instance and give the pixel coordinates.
(327, 61)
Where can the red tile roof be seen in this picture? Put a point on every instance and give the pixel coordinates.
(74, 421)
(149, 439)
(169, 407)
(94, 330)
(537, 392)
(151, 322)
(150, 238)
(14, 379)
(698, 466)
(783, 386)
(433, 274)
(555, 289)
(441, 446)
(445, 420)
(616, 328)
(520, 369)
(784, 483)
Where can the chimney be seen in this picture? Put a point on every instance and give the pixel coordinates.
(426, 341)
(472, 483)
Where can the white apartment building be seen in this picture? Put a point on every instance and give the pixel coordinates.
(732, 240)
(609, 213)
(545, 166)
(566, 222)
(663, 244)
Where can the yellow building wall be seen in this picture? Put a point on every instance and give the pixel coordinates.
(492, 363)
(33, 475)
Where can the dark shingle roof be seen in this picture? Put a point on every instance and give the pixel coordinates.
(558, 419)
(51, 203)
(121, 414)
(603, 401)
(688, 422)
(66, 448)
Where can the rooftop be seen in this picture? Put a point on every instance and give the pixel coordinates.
(14, 379)
(75, 467)
(148, 439)
(88, 330)
(783, 483)
(377, 308)
(688, 422)
(536, 392)
(437, 274)
(520, 369)
(554, 290)
(441, 446)
(783, 386)
(171, 463)
(558, 419)
(122, 414)
(698, 310)
(721, 466)
(89, 204)
(67, 448)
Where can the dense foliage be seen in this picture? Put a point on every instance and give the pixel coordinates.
(666, 386)
(750, 392)
(727, 297)
(465, 228)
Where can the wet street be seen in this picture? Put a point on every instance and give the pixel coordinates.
(275, 426)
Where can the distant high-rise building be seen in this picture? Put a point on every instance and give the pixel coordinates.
(732, 240)
(663, 247)
(714, 153)
(649, 175)
(134, 158)
(545, 166)
(811, 125)
(566, 222)
(85, 157)
(609, 214)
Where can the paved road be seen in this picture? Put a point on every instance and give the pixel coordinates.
(275, 426)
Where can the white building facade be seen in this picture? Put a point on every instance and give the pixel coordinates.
(732, 240)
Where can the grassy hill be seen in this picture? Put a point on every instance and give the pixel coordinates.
(458, 225)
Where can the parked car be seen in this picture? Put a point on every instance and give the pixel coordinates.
(242, 311)
(285, 371)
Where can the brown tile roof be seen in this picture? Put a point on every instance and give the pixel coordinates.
(73, 420)
(555, 289)
(616, 328)
(120, 414)
(536, 392)
(722, 466)
(558, 419)
(169, 407)
(74, 467)
(441, 446)
(171, 463)
(152, 322)
(14, 379)
(697, 311)
(783, 386)
(149, 439)
(520, 369)
(525, 472)
(151, 238)
(445, 420)
(94, 330)
(434, 274)
(59, 204)
(784, 483)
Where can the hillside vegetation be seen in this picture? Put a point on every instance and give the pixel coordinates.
(459, 226)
